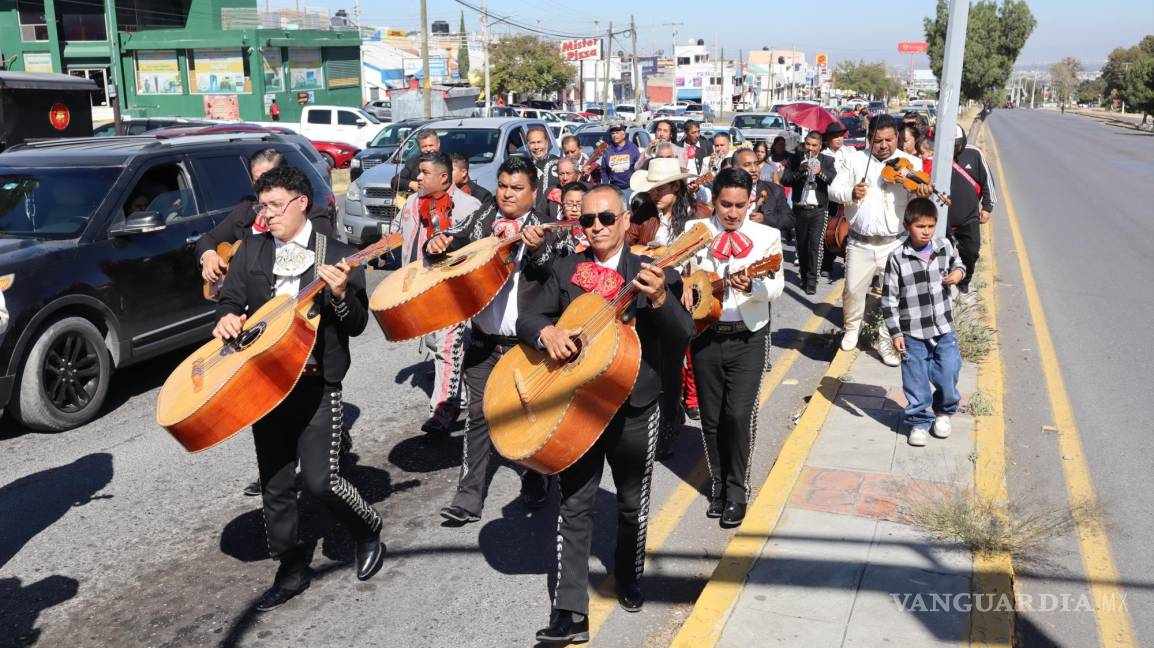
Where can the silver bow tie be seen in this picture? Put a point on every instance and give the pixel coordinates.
(292, 260)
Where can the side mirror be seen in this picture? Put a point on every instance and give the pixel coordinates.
(138, 223)
(361, 123)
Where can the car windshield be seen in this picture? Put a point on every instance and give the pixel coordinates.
(477, 144)
(758, 121)
(51, 203)
(853, 127)
(392, 135)
(368, 117)
(591, 139)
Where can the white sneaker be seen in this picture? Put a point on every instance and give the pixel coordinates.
(918, 437)
(849, 340)
(889, 355)
(942, 426)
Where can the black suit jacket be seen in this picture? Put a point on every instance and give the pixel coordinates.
(480, 193)
(703, 149)
(775, 210)
(479, 225)
(660, 329)
(250, 284)
(794, 176)
(238, 225)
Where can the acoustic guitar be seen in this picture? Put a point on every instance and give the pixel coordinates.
(227, 385)
(707, 289)
(594, 158)
(422, 297)
(226, 251)
(836, 233)
(546, 415)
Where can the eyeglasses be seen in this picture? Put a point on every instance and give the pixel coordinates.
(261, 207)
(607, 218)
(573, 204)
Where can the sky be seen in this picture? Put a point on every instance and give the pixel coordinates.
(863, 30)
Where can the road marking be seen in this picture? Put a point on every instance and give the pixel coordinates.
(1115, 627)
(707, 620)
(603, 599)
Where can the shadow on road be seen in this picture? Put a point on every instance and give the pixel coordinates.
(21, 605)
(427, 453)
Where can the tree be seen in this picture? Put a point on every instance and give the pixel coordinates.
(463, 51)
(527, 65)
(865, 78)
(1091, 91)
(1129, 76)
(1064, 78)
(995, 36)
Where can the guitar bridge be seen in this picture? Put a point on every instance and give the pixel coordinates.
(197, 375)
(523, 394)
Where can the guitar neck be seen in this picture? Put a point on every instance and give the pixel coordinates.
(391, 242)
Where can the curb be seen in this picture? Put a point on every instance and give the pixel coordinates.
(1112, 120)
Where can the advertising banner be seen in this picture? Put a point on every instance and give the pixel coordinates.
(913, 48)
(158, 73)
(580, 49)
(222, 107)
(38, 62)
(219, 71)
(273, 65)
(305, 69)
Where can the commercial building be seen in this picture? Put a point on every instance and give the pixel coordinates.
(196, 58)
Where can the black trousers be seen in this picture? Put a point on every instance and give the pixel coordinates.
(810, 226)
(305, 429)
(628, 444)
(826, 257)
(968, 239)
(483, 353)
(728, 368)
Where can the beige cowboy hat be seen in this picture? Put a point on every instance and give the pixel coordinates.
(661, 171)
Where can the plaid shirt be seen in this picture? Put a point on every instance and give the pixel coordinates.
(914, 300)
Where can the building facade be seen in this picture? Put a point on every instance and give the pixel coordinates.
(192, 58)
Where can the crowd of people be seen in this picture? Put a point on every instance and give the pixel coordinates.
(622, 209)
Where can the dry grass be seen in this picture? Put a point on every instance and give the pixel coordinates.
(980, 404)
(872, 322)
(975, 336)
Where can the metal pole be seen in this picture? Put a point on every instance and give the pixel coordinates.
(721, 101)
(636, 70)
(948, 97)
(485, 47)
(426, 99)
(114, 69)
(605, 89)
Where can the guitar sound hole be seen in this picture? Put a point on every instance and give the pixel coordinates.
(695, 292)
(245, 339)
(456, 261)
(579, 342)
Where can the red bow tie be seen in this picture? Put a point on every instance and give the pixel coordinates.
(730, 245)
(504, 228)
(554, 195)
(595, 278)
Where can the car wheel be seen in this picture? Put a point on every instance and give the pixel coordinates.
(65, 377)
(329, 160)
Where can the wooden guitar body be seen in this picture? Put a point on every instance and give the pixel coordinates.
(421, 297)
(226, 251)
(223, 388)
(836, 233)
(706, 305)
(545, 415)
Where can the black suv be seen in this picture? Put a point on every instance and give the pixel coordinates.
(97, 240)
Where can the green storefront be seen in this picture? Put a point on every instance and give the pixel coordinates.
(191, 58)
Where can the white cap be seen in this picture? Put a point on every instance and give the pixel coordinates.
(958, 132)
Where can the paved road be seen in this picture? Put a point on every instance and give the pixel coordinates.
(111, 535)
(1082, 191)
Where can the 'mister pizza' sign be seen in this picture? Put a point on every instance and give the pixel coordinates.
(580, 49)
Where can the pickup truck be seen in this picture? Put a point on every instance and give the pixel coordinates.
(334, 124)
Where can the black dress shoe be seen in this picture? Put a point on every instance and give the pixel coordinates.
(565, 628)
(459, 515)
(370, 556)
(811, 289)
(278, 596)
(629, 596)
(435, 426)
(716, 506)
(253, 489)
(534, 490)
(733, 515)
(693, 413)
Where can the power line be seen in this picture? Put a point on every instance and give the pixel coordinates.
(525, 27)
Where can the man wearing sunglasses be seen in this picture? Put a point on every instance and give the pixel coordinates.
(630, 439)
(729, 357)
(494, 328)
(305, 428)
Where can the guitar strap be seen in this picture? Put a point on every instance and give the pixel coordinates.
(321, 244)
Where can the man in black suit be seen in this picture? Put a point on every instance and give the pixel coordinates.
(305, 428)
(630, 439)
(772, 210)
(697, 150)
(809, 174)
(465, 183)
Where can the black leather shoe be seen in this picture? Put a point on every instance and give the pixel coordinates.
(278, 596)
(253, 489)
(733, 515)
(459, 515)
(629, 596)
(693, 413)
(370, 556)
(811, 289)
(435, 426)
(534, 490)
(565, 628)
(716, 506)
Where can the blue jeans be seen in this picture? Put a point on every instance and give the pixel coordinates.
(930, 378)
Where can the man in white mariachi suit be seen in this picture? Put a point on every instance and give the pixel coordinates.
(729, 357)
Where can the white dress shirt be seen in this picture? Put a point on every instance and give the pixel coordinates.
(500, 316)
(292, 285)
(752, 308)
(880, 212)
(612, 262)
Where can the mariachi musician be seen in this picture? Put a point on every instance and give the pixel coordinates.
(630, 439)
(305, 428)
(730, 356)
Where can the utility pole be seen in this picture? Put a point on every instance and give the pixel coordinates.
(721, 101)
(606, 87)
(426, 99)
(948, 97)
(1033, 88)
(485, 48)
(636, 69)
(115, 69)
(673, 57)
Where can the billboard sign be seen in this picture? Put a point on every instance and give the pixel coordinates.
(580, 49)
(913, 48)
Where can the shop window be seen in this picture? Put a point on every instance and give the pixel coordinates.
(81, 20)
(218, 71)
(33, 24)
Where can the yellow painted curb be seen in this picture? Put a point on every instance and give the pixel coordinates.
(704, 626)
(1115, 627)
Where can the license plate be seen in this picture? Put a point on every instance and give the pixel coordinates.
(387, 202)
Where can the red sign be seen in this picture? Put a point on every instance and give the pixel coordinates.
(59, 116)
(913, 48)
(580, 49)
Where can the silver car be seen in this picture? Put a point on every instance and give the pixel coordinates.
(768, 127)
(370, 203)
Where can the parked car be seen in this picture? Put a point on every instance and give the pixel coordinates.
(336, 154)
(875, 108)
(678, 123)
(371, 202)
(700, 112)
(140, 125)
(542, 104)
(855, 134)
(768, 126)
(383, 146)
(736, 136)
(382, 109)
(97, 283)
(577, 118)
(628, 112)
(334, 124)
(302, 143)
(591, 135)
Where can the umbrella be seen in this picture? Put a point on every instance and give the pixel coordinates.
(811, 116)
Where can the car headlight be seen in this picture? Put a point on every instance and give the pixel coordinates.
(6, 281)
(353, 193)
(355, 162)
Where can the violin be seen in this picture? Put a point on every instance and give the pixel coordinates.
(901, 171)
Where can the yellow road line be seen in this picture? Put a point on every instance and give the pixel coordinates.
(1115, 627)
(704, 625)
(993, 573)
(603, 599)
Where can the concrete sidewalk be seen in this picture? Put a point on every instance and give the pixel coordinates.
(833, 560)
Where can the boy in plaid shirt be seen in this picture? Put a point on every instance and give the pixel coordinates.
(917, 310)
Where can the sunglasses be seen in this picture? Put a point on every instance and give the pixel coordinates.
(607, 218)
